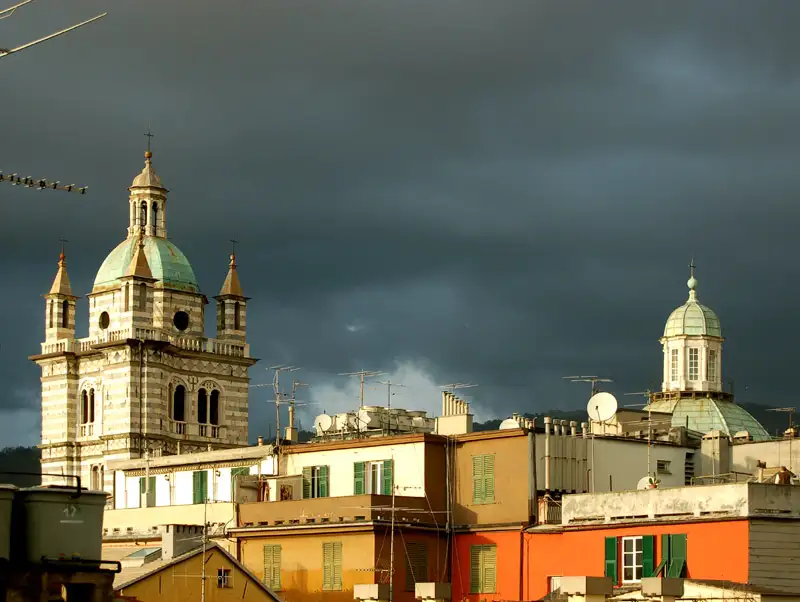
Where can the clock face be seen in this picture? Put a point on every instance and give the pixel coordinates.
(181, 320)
(104, 320)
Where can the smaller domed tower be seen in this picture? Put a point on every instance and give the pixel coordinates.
(60, 306)
(232, 307)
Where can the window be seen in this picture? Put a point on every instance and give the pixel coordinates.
(50, 312)
(694, 363)
(199, 487)
(223, 575)
(147, 492)
(416, 564)
(154, 216)
(142, 302)
(373, 477)
(143, 214)
(272, 567)
(213, 408)
(178, 408)
(662, 467)
(554, 583)
(221, 314)
(104, 321)
(127, 305)
(632, 556)
(315, 481)
(673, 364)
(332, 566)
(87, 412)
(65, 314)
(711, 370)
(202, 406)
(482, 569)
(97, 482)
(483, 479)
(181, 320)
(236, 316)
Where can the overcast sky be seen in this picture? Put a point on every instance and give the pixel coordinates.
(503, 192)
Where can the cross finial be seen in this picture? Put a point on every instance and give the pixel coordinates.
(149, 135)
(691, 268)
(233, 242)
(63, 242)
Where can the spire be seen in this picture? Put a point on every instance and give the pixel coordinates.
(148, 178)
(138, 266)
(692, 282)
(61, 284)
(231, 286)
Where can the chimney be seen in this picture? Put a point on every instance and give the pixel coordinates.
(261, 440)
(573, 428)
(179, 539)
(585, 429)
(444, 403)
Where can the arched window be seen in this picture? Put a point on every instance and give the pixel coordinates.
(213, 408)
(154, 216)
(236, 316)
(65, 314)
(85, 407)
(91, 405)
(50, 311)
(221, 314)
(143, 214)
(202, 406)
(96, 483)
(127, 297)
(178, 409)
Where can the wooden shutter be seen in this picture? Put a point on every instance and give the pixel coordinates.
(141, 485)
(474, 568)
(611, 559)
(272, 566)
(489, 569)
(358, 478)
(337, 566)
(478, 493)
(677, 555)
(416, 564)
(323, 481)
(327, 566)
(488, 479)
(196, 497)
(648, 555)
(388, 477)
(307, 482)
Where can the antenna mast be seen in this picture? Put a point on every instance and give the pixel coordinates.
(7, 12)
(791, 412)
(590, 379)
(362, 374)
(389, 384)
(647, 393)
(278, 395)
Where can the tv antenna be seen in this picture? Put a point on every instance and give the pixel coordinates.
(362, 374)
(7, 12)
(649, 407)
(791, 412)
(452, 387)
(590, 379)
(389, 384)
(275, 384)
(41, 183)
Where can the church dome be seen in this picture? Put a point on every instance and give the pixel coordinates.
(692, 318)
(706, 414)
(168, 264)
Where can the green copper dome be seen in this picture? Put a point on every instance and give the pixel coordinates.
(706, 414)
(691, 318)
(169, 266)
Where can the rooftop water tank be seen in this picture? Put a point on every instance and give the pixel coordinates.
(63, 522)
(6, 502)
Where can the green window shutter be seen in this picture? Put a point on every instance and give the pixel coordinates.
(327, 566)
(478, 492)
(611, 559)
(489, 569)
(677, 556)
(203, 486)
(388, 477)
(648, 555)
(488, 478)
(323, 481)
(199, 487)
(358, 478)
(196, 488)
(337, 566)
(268, 566)
(474, 569)
(141, 485)
(307, 482)
(416, 564)
(276, 568)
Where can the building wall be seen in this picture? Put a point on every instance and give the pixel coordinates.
(509, 547)
(715, 550)
(774, 550)
(409, 466)
(511, 504)
(745, 456)
(182, 581)
(436, 548)
(117, 523)
(301, 562)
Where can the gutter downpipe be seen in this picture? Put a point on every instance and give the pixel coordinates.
(533, 508)
(547, 421)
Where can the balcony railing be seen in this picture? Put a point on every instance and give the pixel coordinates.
(191, 429)
(87, 430)
(339, 509)
(190, 343)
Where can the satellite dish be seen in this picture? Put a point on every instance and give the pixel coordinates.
(644, 483)
(601, 407)
(323, 422)
(509, 423)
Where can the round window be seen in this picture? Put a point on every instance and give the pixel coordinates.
(105, 320)
(181, 320)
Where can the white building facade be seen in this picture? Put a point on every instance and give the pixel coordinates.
(147, 381)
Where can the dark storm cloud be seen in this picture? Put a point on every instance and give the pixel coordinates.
(508, 191)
